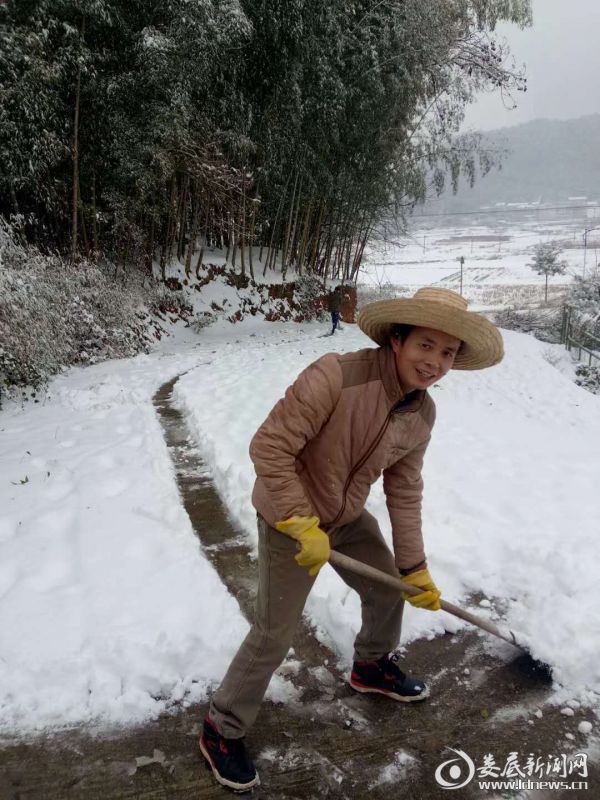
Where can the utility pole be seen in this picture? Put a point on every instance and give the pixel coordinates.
(462, 263)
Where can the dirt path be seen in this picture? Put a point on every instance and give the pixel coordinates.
(328, 742)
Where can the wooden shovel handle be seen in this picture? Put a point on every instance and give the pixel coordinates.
(359, 568)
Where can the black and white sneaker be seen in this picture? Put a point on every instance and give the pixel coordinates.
(384, 676)
(228, 759)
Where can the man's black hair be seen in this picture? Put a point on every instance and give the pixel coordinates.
(401, 331)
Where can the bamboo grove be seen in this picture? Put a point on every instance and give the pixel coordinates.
(282, 131)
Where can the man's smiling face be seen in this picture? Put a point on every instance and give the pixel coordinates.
(424, 357)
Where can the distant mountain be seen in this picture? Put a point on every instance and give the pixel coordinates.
(548, 161)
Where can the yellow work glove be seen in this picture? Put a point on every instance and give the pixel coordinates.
(315, 542)
(429, 598)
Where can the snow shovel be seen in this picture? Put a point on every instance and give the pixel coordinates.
(352, 565)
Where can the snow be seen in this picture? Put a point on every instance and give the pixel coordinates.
(396, 771)
(100, 609)
(108, 609)
(497, 251)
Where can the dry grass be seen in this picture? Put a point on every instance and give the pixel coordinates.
(516, 296)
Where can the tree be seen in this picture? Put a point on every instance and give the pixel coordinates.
(584, 296)
(546, 262)
(584, 301)
(138, 129)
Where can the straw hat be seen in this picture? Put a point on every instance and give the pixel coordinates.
(442, 310)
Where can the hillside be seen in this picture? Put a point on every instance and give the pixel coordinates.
(547, 160)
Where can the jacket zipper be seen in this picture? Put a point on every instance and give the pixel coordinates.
(360, 463)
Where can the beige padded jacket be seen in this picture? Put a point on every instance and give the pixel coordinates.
(340, 425)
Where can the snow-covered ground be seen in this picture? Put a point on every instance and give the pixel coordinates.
(108, 608)
(100, 607)
(497, 249)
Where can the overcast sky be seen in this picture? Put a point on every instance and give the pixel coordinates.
(561, 53)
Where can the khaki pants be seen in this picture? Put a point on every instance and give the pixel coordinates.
(283, 587)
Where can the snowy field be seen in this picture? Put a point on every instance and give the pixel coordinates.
(110, 612)
(497, 248)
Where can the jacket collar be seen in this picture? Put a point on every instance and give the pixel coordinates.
(389, 377)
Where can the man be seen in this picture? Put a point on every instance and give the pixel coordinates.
(335, 307)
(346, 419)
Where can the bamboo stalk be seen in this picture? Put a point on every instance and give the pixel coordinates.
(94, 215)
(243, 227)
(84, 235)
(270, 260)
(75, 209)
(317, 236)
(288, 228)
(165, 251)
(196, 217)
(304, 237)
(251, 240)
(358, 257)
(292, 247)
(181, 214)
(150, 252)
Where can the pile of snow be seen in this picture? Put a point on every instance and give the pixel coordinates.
(107, 608)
